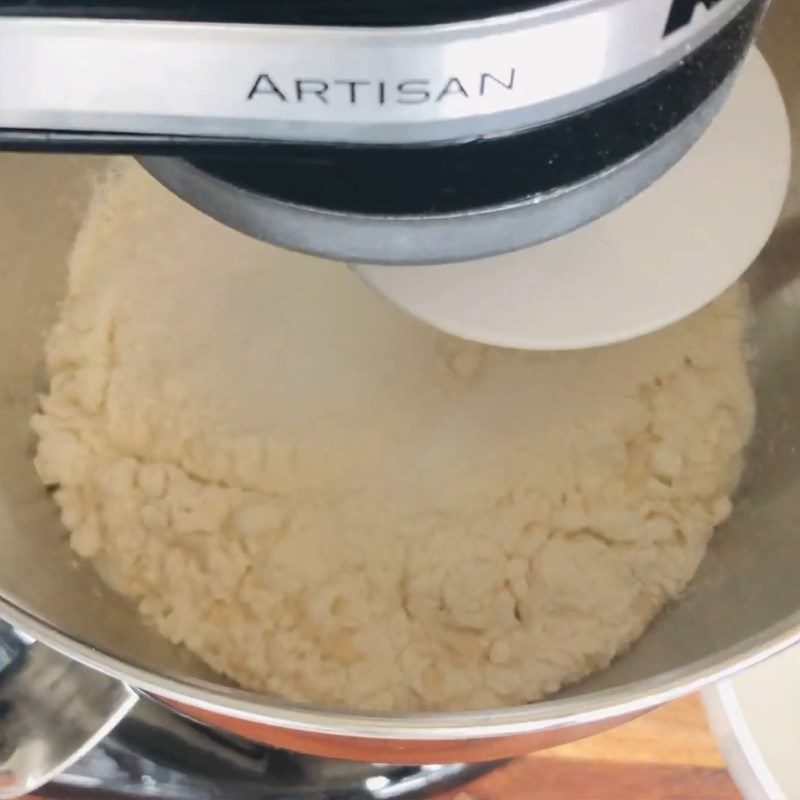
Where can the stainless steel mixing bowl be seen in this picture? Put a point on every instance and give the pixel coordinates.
(743, 605)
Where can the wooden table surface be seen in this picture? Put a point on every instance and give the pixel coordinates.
(669, 754)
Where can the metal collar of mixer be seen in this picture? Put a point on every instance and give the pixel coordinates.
(363, 80)
(464, 200)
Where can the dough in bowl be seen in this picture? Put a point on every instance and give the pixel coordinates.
(332, 503)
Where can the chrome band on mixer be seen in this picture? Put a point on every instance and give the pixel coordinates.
(341, 84)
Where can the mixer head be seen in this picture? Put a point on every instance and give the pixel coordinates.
(397, 133)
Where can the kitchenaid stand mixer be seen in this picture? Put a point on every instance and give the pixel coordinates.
(424, 134)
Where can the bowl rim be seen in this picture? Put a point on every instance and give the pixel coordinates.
(548, 714)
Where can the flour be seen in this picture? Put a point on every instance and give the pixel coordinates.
(332, 503)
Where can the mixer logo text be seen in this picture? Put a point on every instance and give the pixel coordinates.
(682, 12)
(358, 92)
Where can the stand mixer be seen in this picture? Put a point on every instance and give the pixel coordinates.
(436, 132)
(537, 174)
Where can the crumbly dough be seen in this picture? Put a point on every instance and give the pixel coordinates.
(333, 503)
